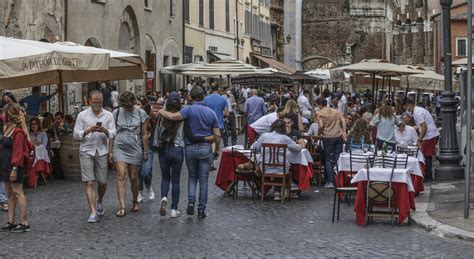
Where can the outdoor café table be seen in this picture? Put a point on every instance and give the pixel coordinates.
(415, 167)
(401, 184)
(301, 167)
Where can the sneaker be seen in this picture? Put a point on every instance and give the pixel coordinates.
(21, 228)
(164, 202)
(201, 214)
(190, 210)
(212, 168)
(294, 195)
(277, 196)
(93, 218)
(100, 209)
(140, 197)
(175, 213)
(151, 193)
(9, 226)
(329, 185)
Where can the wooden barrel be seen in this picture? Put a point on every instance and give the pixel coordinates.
(69, 154)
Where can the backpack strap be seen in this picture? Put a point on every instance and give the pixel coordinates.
(116, 118)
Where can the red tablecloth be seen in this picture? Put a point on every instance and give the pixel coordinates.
(403, 200)
(225, 174)
(40, 167)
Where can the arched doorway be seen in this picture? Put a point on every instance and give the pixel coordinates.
(317, 61)
(129, 35)
(150, 60)
(171, 57)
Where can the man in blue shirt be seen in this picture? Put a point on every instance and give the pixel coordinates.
(218, 104)
(34, 101)
(254, 107)
(203, 123)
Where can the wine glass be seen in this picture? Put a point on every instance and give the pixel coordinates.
(366, 148)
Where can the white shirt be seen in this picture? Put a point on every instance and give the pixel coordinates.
(304, 104)
(114, 95)
(408, 137)
(189, 86)
(230, 101)
(422, 115)
(313, 129)
(344, 99)
(263, 124)
(95, 141)
(245, 92)
(341, 106)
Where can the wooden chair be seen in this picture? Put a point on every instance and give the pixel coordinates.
(249, 174)
(271, 159)
(346, 189)
(318, 165)
(413, 152)
(380, 194)
(390, 162)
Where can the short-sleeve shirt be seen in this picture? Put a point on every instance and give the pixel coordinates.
(331, 127)
(201, 119)
(422, 115)
(385, 128)
(217, 103)
(130, 121)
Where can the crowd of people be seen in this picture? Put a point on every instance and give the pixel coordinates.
(125, 132)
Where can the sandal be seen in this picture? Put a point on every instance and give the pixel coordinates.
(121, 212)
(5, 207)
(135, 207)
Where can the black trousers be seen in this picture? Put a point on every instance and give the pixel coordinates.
(230, 127)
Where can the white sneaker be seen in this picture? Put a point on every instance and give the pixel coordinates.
(151, 193)
(277, 196)
(140, 197)
(175, 213)
(163, 204)
(100, 209)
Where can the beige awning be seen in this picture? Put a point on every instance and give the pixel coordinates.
(276, 65)
(26, 63)
(378, 67)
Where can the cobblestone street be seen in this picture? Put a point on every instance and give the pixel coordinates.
(237, 228)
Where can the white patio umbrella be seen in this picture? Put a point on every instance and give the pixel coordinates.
(426, 80)
(26, 63)
(215, 68)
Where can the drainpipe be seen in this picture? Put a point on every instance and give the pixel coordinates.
(184, 40)
(66, 7)
(237, 29)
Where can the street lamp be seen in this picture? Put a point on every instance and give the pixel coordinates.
(448, 157)
(288, 39)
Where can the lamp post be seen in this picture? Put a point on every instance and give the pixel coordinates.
(448, 157)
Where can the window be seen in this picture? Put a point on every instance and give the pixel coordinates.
(227, 16)
(211, 14)
(186, 11)
(147, 4)
(188, 55)
(201, 13)
(248, 22)
(461, 46)
(172, 8)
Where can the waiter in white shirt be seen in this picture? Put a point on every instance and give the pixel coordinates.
(94, 127)
(304, 105)
(261, 126)
(429, 134)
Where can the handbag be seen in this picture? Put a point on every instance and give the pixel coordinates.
(158, 135)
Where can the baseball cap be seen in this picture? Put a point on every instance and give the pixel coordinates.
(174, 97)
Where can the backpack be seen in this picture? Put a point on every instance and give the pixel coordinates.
(158, 135)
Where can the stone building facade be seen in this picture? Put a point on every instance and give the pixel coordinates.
(41, 20)
(337, 32)
(152, 29)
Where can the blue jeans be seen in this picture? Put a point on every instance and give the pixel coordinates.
(198, 157)
(332, 150)
(171, 162)
(146, 171)
(3, 193)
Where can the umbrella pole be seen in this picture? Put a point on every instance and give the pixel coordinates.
(408, 87)
(389, 89)
(383, 89)
(373, 89)
(61, 92)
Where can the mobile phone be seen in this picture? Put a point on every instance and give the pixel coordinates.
(99, 124)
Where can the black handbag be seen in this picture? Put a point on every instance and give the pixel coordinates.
(158, 135)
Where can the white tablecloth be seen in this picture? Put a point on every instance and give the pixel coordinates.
(383, 175)
(413, 165)
(301, 158)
